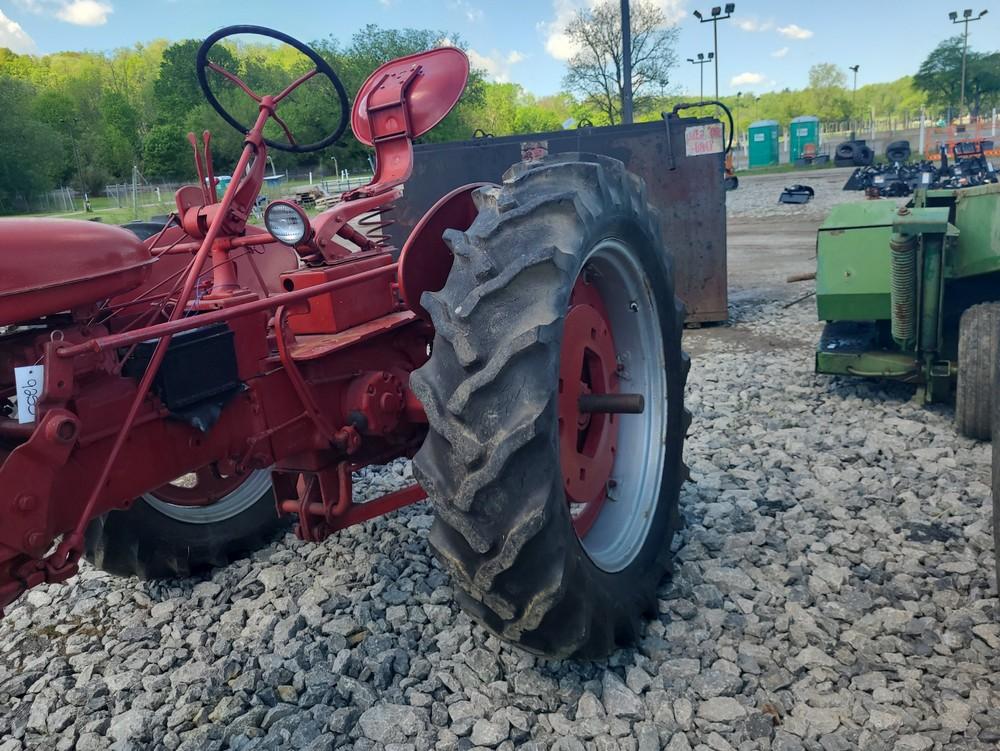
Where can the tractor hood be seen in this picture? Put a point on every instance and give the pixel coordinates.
(54, 265)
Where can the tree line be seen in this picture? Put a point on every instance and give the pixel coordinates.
(85, 119)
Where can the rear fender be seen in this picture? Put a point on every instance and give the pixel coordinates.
(425, 261)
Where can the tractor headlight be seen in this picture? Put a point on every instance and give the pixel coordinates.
(286, 222)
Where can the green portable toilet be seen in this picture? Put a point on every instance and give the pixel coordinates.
(763, 146)
(803, 130)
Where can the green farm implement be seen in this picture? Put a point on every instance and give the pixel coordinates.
(912, 294)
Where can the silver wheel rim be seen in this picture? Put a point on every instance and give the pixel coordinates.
(232, 504)
(623, 525)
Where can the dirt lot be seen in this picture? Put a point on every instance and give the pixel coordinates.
(833, 590)
(769, 241)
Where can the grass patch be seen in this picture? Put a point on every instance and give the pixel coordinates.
(107, 211)
(777, 169)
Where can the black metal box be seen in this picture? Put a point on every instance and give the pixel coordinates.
(199, 365)
(684, 180)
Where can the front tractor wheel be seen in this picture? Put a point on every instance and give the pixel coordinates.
(555, 400)
(978, 354)
(195, 523)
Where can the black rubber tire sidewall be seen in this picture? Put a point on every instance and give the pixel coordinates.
(144, 542)
(978, 352)
(845, 151)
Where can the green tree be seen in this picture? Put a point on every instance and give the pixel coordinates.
(32, 153)
(176, 89)
(595, 70)
(940, 77)
(827, 76)
(163, 152)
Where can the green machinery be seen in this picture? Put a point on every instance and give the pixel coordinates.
(902, 291)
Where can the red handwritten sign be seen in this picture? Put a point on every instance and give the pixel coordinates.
(703, 139)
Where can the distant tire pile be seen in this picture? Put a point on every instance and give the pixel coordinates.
(898, 151)
(853, 154)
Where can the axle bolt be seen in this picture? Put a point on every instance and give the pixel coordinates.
(26, 502)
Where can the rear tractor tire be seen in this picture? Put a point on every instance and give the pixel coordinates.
(162, 536)
(556, 520)
(978, 353)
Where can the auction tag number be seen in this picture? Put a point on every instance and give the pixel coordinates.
(28, 382)
(703, 139)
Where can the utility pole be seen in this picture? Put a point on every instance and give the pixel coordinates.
(854, 91)
(700, 62)
(626, 64)
(736, 127)
(716, 16)
(71, 125)
(965, 19)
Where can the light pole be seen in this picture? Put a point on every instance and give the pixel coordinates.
(700, 62)
(626, 64)
(966, 19)
(714, 20)
(736, 127)
(79, 163)
(854, 91)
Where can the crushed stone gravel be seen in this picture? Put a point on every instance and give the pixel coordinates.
(833, 590)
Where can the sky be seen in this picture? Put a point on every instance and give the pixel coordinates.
(767, 45)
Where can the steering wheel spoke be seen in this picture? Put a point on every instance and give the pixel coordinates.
(284, 127)
(295, 84)
(322, 67)
(235, 79)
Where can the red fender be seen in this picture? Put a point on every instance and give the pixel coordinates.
(425, 261)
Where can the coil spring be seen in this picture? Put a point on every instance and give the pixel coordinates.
(373, 226)
(903, 287)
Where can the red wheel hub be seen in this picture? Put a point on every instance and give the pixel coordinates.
(201, 488)
(588, 365)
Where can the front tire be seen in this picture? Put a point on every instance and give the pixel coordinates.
(566, 245)
(978, 353)
(158, 537)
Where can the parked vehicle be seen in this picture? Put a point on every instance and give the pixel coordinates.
(171, 402)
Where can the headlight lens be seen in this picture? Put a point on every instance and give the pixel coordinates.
(286, 222)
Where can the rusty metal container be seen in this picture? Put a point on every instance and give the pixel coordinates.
(681, 160)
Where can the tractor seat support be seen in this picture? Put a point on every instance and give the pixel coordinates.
(399, 102)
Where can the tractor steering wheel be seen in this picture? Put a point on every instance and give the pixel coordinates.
(204, 64)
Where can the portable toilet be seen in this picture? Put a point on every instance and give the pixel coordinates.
(762, 149)
(803, 130)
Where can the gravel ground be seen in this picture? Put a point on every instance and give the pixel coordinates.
(833, 591)
(757, 195)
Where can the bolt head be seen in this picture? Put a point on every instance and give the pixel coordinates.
(26, 502)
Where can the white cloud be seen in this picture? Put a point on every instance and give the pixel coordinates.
(747, 79)
(561, 47)
(496, 65)
(13, 37)
(780, 52)
(85, 13)
(76, 12)
(794, 31)
(752, 24)
(472, 13)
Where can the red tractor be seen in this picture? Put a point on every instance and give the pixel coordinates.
(170, 402)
